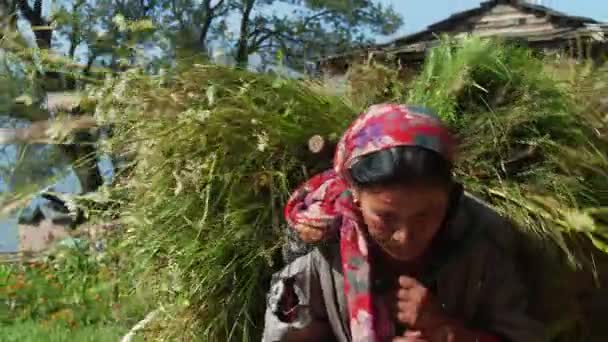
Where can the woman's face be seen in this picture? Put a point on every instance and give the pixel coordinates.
(403, 220)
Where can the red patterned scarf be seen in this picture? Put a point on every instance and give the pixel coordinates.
(325, 201)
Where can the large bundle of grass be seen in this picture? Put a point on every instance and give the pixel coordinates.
(216, 152)
(527, 141)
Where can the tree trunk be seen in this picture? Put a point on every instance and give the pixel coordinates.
(242, 52)
(203, 37)
(91, 59)
(43, 131)
(206, 26)
(74, 35)
(42, 32)
(74, 41)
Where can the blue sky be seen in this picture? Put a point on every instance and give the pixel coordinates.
(418, 14)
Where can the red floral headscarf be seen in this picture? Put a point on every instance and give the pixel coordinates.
(325, 201)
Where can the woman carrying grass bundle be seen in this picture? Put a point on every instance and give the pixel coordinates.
(407, 255)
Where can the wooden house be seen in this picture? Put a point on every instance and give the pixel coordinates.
(535, 26)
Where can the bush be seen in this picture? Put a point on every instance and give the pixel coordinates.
(72, 287)
(32, 331)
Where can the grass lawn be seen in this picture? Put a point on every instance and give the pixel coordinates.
(34, 332)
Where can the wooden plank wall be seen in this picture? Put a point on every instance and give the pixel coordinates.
(510, 22)
(503, 21)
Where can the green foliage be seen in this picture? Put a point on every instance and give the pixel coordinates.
(11, 85)
(475, 74)
(320, 28)
(71, 288)
(117, 32)
(372, 83)
(19, 90)
(32, 331)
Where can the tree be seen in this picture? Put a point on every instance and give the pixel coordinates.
(71, 24)
(113, 32)
(190, 23)
(312, 28)
(45, 29)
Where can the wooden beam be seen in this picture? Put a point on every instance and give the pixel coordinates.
(47, 131)
(511, 30)
(509, 23)
(62, 100)
(47, 58)
(503, 9)
(491, 18)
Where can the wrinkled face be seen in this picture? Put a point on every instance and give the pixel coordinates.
(403, 220)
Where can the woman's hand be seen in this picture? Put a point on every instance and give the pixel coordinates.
(424, 317)
(416, 307)
(419, 336)
(412, 336)
(315, 331)
(310, 234)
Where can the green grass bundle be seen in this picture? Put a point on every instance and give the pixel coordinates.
(217, 152)
(527, 144)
